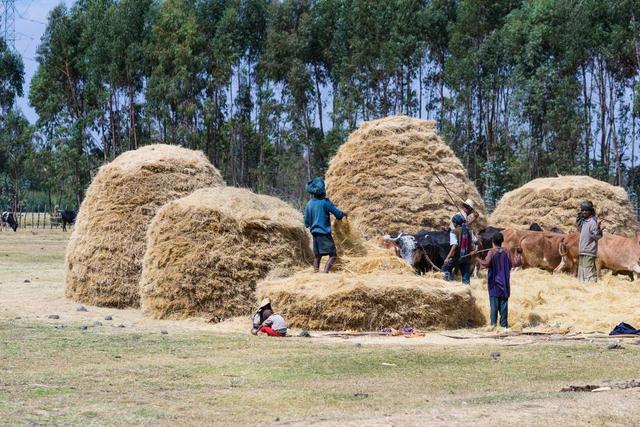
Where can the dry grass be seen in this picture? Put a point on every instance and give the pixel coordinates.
(370, 301)
(560, 303)
(206, 252)
(104, 377)
(104, 256)
(382, 176)
(554, 202)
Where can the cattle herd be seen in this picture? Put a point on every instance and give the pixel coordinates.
(66, 217)
(551, 250)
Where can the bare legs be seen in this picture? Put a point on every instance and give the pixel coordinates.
(327, 266)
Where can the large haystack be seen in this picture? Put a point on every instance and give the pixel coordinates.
(554, 202)
(104, 255)
(343, 301)
(383, 177)
(206, 252)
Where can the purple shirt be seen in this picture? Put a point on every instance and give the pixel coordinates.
(500, 263)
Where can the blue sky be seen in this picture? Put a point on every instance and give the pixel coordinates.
(31, 18)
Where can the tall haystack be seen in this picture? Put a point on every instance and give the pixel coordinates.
(206, 252)
(554, 202)
(383, 176)
(104, 256)
(342, 301)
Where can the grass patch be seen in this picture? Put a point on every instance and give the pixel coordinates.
(84, 377)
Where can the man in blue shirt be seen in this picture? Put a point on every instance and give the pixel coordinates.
(317, 220)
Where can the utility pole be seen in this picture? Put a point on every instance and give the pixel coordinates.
(8, 22)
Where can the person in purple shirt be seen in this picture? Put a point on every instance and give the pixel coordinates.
(499, 261)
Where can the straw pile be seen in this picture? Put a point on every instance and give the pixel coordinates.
(370, 301)
(206, 252)
(104, 256)
(559, 303)
(554, 202)
(383, 177)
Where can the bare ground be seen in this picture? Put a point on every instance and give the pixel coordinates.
(52, 372)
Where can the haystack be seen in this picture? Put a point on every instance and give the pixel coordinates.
(343, 301)
(554, 202)
(104, 256)
(206, 252)
(383, 176)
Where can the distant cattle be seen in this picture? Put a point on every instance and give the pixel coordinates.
(67, 217)
(9, 218)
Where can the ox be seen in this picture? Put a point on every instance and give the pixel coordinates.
(543, 250)
(619, 254)
(67, 217)
(424, 251)
(8, 218)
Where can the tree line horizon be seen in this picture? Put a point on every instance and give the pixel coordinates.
(268, 90)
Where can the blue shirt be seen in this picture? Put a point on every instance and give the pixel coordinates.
(316, 215)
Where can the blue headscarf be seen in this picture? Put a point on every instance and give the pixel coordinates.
(316, 187)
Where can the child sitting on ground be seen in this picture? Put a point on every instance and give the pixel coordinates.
(266, 322)
(500, 262)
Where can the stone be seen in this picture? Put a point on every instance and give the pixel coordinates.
(81, 308)
(53, 316)
(108, 318)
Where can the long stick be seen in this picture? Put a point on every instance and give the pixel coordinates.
(445, 187)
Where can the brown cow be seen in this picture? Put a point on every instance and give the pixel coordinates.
(620, 255)
(543, 250)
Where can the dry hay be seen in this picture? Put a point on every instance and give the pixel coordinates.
(559, 303)
(343, 301)
(382, 177)
(359, 256)
(555, 201)
(104, 256)
(206, 252)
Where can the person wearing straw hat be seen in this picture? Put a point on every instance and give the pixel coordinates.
(264, 311)
(266, 322)
(590, 230)
(469, 212)
(317, 220)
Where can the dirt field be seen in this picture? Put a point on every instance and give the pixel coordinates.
(126, 371)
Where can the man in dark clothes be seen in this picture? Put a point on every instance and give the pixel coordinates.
(500, 262)
(318, 221)
(460, 242)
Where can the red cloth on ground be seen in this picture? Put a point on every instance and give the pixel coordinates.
(267, 330)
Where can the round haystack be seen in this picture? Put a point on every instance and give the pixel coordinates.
(383, 176)
(104, 256)
(206, 252)
(341, 301)
(552, 202)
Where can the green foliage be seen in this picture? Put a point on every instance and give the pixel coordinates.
(270, 89)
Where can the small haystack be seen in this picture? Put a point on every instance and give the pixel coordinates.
(104, 256)
(343, 301)
(559, 303)
(383, 177)
(554, 202)
(206, 252)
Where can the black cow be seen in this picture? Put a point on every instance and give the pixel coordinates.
(424, 251)
(67, 217)
(8, 218)
(535, 227)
